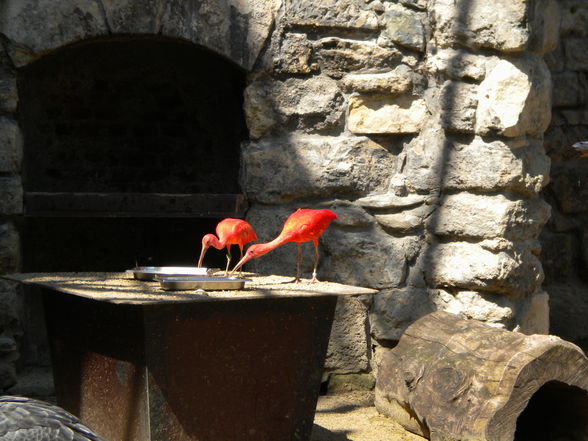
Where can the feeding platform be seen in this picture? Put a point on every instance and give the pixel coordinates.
(137, 363)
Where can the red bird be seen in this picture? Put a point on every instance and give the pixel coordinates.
(304, 225)
(230, 232)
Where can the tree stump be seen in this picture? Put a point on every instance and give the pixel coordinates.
(455, 379)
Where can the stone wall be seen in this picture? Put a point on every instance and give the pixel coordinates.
(420, 123)
(565, 238)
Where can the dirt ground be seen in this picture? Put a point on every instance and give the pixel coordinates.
(352, 417)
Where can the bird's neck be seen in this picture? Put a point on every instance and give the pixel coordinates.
(213, 241)
(272, 245)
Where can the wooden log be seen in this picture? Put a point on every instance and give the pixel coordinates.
(455, 379)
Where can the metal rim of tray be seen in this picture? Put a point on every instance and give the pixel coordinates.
(205, 283)
(156, 272)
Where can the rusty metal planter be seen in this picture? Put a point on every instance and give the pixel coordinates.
(237, 369)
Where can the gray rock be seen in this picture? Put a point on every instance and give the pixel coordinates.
(350, 214)
(404, 27)
(574, 52)
(533, 317)
(393, 310)
(499, 25)
(568, 90)
(294, 54)
(349, 341)
(570, 186)
(10, 146)
(396, 82)
(405, 221)
(132, 16)
(574, 16)
(337, 57)
(469, 215)
(517, 166)
(278, 170)
(346, 14)
(41, 25)
(354, 257)
(515, 99)
(460, 64)
(458, 106)
(9, 248)
(545, 18)
(386, 115)
(310, 104)
(470, 266)
(11, 195)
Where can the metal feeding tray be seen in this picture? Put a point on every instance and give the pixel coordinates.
(156, 272)
(205, 283)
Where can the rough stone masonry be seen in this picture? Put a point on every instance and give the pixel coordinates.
(419, 122)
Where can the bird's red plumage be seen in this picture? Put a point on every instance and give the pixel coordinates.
(229, 232)
(305, 224)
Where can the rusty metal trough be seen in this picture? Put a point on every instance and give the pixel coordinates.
(139, 364)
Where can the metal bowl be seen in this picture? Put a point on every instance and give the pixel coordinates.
(205, 283)
(156, 272)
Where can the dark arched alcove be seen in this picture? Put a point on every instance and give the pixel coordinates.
(131, 153)
(556, 412)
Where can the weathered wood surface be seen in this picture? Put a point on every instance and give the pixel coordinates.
(455, 379)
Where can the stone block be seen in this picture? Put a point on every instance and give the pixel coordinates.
(349, 341)
(515, 98)
(575, 50)
(42, 25)
(355, 257)
(277, 170)
(396, 82)
(10, 146)
(393, 310)
(405, 221)
(350, 214)
(433, 162)
(294, 54)
(574, 16)
(8, 92)
(568, 89)
(468, 215)
(404, 27)
(342, 14)
(310, 104)
(568, 304)
(233, 28)
(469, 266)
(11, 195)
(460, 64)
(337, 57)
(493, 309)
(9, 248)
(545, 18)
(500, 25)
(533, 317)
(134, 16)
(458, 106)
(376, 115)
(570, 186)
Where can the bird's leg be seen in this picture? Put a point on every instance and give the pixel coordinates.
(241, 269)
(298, 260)
(316, 257)
(228, 260)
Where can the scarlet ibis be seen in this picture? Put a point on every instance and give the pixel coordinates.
(305, 224)
(230, 232)
(25, 419)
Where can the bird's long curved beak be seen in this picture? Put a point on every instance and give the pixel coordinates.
(202, 253)
(241, 262)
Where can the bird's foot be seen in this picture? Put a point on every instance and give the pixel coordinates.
(314, 279)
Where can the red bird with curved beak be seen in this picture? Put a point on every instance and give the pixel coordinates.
(305, 224)
(230, 232)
